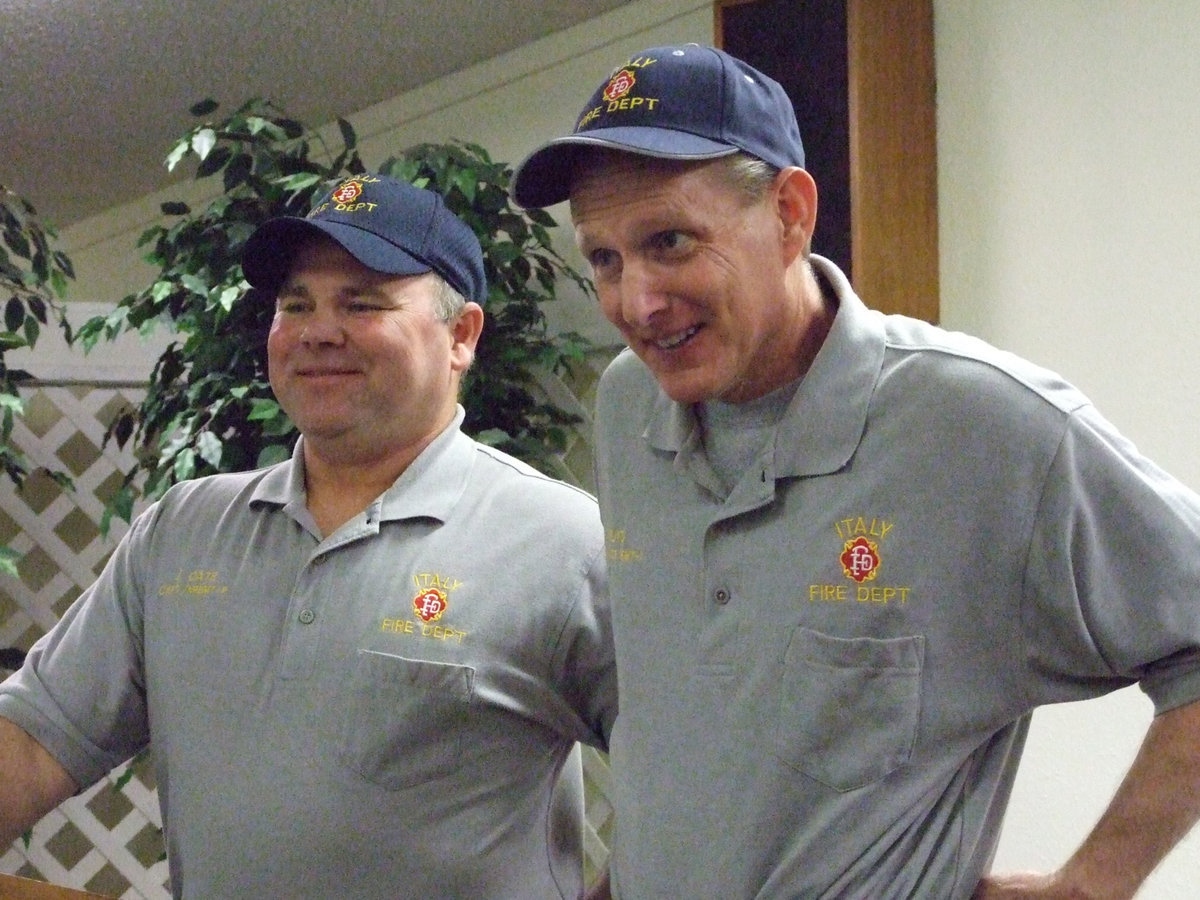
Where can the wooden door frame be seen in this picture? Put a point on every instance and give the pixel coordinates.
(892, 134)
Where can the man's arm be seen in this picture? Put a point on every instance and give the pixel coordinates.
(1156, 805)
(32, 782)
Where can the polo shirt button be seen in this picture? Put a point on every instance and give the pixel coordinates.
(307, 617)
(722, 596)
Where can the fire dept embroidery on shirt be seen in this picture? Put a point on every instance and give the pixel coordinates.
(429, 605)
(860, 559)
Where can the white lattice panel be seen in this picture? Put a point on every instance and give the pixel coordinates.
(103, 840)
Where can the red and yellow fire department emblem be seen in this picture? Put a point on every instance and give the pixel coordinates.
(430, 604)
(860, 559)
(348, 192)
(620, 85)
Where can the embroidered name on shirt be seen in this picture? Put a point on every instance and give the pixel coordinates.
(195, 583)
(618, 548)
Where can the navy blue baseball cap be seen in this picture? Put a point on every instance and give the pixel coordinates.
(682, 102)
(386, 224)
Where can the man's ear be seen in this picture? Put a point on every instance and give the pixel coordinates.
(796, 203)
(465, 331)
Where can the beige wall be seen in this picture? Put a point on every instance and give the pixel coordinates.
(1068, 142)
(1069, 147)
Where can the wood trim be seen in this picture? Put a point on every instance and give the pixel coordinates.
(893, 155)
(14, 888)
(892, 135)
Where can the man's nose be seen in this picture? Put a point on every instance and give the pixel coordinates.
(642, 295)
(323, 326)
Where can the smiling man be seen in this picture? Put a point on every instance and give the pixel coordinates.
(849, 553)
(363, 672)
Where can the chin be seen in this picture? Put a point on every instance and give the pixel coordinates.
(685, 392)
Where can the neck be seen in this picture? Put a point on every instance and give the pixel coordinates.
(820, 308)
(340, 485)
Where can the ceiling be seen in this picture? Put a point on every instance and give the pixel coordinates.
(94, 92)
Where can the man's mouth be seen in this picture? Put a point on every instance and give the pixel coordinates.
(675, 340)
(324, 372)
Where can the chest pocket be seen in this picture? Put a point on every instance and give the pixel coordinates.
(403, 720)
(848, 707)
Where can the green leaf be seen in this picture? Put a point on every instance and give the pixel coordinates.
(8, 566)
(300, 181)
(237, 173)
(32, 330)
(178, 152)
(227, 297)
(120, 506)
(262, 409)
(205, 107)
(196, 285)
(203, 141)
(213, 162)
(11, 341)
(209, 446)
(493, 437)
(14, 314)
(280, 426)
(272, 454)
(185, 464)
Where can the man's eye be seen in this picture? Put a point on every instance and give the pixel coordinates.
(601, 260)
(671, 241)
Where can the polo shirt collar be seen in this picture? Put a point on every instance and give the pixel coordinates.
(826, 418)
(435, 480)
(428, 488)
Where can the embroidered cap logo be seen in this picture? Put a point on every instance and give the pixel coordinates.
(348, 192)
(620, 85)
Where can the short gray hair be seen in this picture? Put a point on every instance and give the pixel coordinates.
(447, 302)
(750, 175)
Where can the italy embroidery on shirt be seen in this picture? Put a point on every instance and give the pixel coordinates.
(430, 603)
(860, 557)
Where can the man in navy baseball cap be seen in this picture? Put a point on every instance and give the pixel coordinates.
(849, 553)
(396, 638)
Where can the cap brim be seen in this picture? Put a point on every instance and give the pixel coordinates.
(544, 178)
(268, 253)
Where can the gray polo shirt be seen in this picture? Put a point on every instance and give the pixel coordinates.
(827, 670)
(383, 713)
